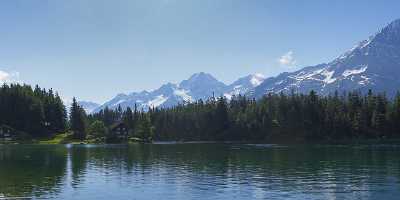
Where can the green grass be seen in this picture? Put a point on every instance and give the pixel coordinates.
(62, 138)
(67, 138)
(134, 140)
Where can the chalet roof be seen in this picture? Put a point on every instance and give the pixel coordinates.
(116, 124)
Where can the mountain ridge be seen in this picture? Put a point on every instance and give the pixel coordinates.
(198, 86)
(371, 64)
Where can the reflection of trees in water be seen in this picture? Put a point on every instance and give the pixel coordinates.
(317, 169)
(324, 169)
(197, 167)
(78, 157)
(31, 170)
(284, 166)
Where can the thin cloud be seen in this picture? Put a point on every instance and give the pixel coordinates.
(7, 77)
(287, 59)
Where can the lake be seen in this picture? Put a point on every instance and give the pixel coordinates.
(199, 171)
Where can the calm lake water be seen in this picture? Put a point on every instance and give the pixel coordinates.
(199, 171)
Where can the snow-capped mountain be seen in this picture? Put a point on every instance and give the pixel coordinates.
(244, 85)
(198, 86)
(202, 86)
(372, 64)
(88, 106)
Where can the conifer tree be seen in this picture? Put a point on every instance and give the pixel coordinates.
(145, 130)
(37, 112)
(78, 120)
(128, 118)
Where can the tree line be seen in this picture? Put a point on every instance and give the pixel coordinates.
(36, 111)
(275, 117)
(98, 125)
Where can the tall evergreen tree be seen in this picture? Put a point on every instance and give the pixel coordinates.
(37, 111)
(145, 129)
(128, 118)
(78, 120)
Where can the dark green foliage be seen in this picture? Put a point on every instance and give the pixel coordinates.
(97, 129)
(144, 130)
(38, 112)
(107, 116)
(275, 117)
(78, 120)
(128, 117)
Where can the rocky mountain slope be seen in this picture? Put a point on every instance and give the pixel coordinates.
(372, 64)
(198, 86)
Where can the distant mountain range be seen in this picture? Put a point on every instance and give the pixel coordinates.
(198, 86)
(88, 106)
(372, 64)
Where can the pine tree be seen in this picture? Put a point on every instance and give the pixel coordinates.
(379, 115)
(128, 118)
(277, 117)
(98, 130)
(145, 130)
(78, 120)
(395, 115)
(33, 111)
(221, 118)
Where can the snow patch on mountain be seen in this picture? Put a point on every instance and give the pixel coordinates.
(183, 94)
(119, 102)
(156, 102)
(365, 80)
(306, 75)
(198, 86)
(350, 72)
(371, 64)
(328, 76)
(243, 85)
(257, 79)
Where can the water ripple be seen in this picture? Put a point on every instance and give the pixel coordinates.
(199, 171)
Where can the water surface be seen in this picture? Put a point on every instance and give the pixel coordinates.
(199, 171)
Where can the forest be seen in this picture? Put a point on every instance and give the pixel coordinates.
(35, 111)
(274, 118)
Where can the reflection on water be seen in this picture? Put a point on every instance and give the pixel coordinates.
(199, 171)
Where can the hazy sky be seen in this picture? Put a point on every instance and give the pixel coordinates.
(94, 49)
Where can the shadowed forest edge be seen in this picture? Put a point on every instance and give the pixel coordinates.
(39, 115)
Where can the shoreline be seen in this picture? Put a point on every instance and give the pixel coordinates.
(89, 142)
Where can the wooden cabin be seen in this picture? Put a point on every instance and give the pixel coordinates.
(120, 130)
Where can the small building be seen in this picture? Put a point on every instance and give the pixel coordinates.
(6, 133)
(120, 130)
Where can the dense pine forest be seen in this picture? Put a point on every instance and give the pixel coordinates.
(275, 117)
(37, 112)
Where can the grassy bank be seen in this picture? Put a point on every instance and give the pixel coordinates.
(62, 138)
(67, 138)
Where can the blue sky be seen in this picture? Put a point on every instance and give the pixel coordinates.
(94, 49)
